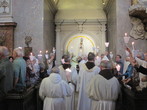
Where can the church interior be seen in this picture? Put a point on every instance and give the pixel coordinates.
(49, 29)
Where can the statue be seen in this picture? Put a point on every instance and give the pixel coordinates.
(81, 48)
(138, 31)
(135, 2)
(28, 40)
(28, 49)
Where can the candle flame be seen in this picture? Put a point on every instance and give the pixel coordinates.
(126, 34)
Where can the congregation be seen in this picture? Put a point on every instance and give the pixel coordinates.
(97, 79)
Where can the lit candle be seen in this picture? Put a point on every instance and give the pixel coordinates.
(126, 38)
(126, 34)
(133, 45)
(46, 54)
(40, 56)
(31, 56)
(107, 44)
(133, 51)
(118, 67)
(111, 55)
(54, 50)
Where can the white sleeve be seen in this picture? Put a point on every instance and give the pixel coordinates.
(140, 62)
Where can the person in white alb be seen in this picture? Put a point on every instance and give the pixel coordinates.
(104, 88)
(69, 74)
(87, 71)
(53, 91)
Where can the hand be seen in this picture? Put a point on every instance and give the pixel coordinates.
(144, 79)
(133, 62)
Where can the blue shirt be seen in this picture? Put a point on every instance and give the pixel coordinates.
(129, 71)
(19, 66)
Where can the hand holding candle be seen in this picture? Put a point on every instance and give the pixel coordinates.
(118, 67)
(126, 38)
(107, 44)
(46, 54)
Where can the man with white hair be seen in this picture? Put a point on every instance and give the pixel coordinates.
(104, 88)
(19, 66)
(6, 72)
(53, 91)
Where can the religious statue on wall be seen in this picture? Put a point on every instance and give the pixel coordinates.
(81, 47)
(138, 31)
(28, 40)
(28, 49)
(134, 2)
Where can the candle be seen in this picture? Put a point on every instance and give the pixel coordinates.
(31, 56)
(46, 51)
(133, 51)
(133, 45)
(126, 38)
(118, 67)
(126, 34)
(107, 44)
(111, 55)
(46, 54)
(40, 56)
(54, 50)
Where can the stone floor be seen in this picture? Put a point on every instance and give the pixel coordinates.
(76, 100)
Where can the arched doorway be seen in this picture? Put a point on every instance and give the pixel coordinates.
(79, 45)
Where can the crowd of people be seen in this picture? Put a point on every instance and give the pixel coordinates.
(96, 78)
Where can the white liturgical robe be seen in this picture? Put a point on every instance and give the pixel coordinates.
(103, 92)
(53, 91)
(84, 102)
(73, 73)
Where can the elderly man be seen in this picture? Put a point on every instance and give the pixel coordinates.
(53, 91)
(104, 88)
(19, 66)
(6, 72)
(87, 71)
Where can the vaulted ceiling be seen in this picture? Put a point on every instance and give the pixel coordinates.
(80, 9)
(80, 4)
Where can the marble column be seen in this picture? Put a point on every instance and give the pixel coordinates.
(58, 46)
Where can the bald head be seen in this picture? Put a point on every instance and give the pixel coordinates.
(3, 51)
(106, 65)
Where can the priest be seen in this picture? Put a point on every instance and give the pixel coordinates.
(87, 71)
(104, 88)
(53, 91)
(69, 74)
